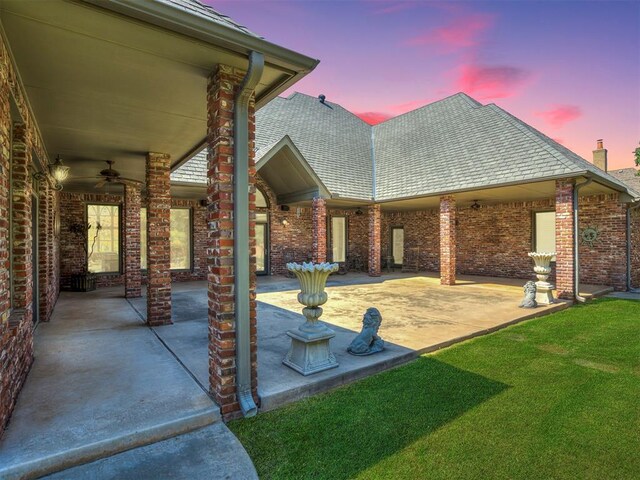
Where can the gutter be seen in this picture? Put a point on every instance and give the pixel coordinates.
(241, 257)
(629, 284)
(576, 241)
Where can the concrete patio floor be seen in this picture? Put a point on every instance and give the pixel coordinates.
(103, 383)
(419, 316)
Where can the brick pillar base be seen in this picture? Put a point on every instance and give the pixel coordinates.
(447, 240)
(132, 274)
(158, 244)
(222, 319)
(319, 254)
(564, 239)
(374, 240)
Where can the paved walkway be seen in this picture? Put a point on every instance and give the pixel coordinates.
(102, 383)
(419, 316)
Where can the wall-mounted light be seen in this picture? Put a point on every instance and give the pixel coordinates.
(285, 222)
(475, 205)
(58, 171)
(359, 211)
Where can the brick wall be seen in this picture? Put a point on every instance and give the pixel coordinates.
(505, 234)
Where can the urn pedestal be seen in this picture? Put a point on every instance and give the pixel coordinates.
(310, 350)
(542, 268)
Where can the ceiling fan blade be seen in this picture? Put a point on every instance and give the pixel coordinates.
(85, 178)
(100, 184)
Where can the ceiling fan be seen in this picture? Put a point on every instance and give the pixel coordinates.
(109, 175)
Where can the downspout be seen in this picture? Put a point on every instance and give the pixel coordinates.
(629, 284)
(241, 255)
(576, 242)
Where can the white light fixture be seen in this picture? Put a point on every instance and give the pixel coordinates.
(58, 171)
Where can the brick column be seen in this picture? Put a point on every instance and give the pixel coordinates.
(447, 240)
(45, 240)
(222, 320)
(319, 207)
(374, 240)
(158, 246)
(21, 221)
(132, 275)
(564, 239)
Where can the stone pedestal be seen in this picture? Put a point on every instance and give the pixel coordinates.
(544, 290)
(544, 293)
(310, 352)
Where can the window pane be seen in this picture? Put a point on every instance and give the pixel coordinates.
(261, 237)
(339, 238)
(104, 247)
(545, 231)
(143, 238)
(397, 242)
(261, 201)
(180, 237)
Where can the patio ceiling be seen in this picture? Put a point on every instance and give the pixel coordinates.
(105, 86)
(512, 193)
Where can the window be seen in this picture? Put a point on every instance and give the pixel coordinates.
(143, 238)
(339, 239)
(544, 229)
(261, 200)
(179, 238)
(397, 245)
(104, 244)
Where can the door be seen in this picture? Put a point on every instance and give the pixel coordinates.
(262, 248)
(397, 245)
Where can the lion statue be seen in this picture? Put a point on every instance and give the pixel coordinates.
(368, 341)
(529, 300)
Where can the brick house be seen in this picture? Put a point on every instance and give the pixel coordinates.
(455, 186)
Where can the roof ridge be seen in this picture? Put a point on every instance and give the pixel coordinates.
(472, 102)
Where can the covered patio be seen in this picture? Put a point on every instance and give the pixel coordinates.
(419, 315)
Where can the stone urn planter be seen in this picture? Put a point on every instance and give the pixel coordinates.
(310, 350)
(542, 268)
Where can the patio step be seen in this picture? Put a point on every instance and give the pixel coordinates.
(34, 466)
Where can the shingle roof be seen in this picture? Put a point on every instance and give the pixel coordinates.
(193, 171)
(196, 8)
(335, 143)
(451, 145)
(628, 176)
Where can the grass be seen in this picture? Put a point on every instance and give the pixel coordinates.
(556, 397)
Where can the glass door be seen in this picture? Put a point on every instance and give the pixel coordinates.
(397, 245)
(262, 248)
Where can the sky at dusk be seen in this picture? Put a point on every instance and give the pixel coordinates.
(569, 68)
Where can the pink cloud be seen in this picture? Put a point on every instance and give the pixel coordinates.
(559, 115)
(461, 33)
(373, 118)
(559, 140)
(485, 82)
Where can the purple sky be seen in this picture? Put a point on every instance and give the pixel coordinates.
(569, 68)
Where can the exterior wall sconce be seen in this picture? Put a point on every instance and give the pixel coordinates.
(475, 205)
(359, 211)
(57, 171)
(285, 222)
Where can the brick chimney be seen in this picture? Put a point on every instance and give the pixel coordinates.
(600, 156)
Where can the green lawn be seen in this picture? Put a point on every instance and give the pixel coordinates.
(556, 397)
